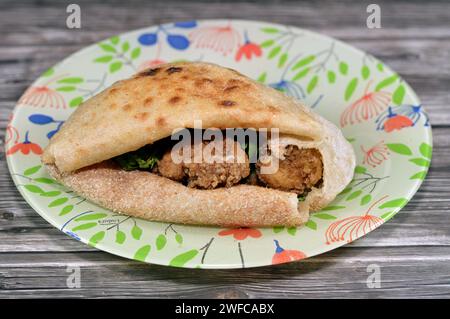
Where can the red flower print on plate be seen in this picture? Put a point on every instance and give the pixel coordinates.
(150, 64)
(248, 49)
(353, 227)
(220, 39)
(241, 233)
(375, 155)
(284, 255)
(42, 96)
(12, 134)
(25, 147)
(370, 105)
(399, 117)
(394, 121)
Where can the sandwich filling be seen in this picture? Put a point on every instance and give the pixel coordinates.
(299, 170)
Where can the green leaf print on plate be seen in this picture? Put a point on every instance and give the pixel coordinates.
(120, 237)
(182, 259)
(161, 241)
(142, 253)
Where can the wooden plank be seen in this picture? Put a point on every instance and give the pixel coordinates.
(405, 272)
(119, 16)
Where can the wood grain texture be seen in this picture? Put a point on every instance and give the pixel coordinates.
(340, 273)
(413, 249)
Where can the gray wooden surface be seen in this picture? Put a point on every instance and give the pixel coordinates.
(413, 249)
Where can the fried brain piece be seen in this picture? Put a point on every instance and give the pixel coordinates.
(298, 172)
(223, 163)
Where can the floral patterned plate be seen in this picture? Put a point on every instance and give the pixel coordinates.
(378, 112)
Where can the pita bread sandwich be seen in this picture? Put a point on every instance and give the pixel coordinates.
(117, 150)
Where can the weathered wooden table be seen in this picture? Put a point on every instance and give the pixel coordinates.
(413, 249)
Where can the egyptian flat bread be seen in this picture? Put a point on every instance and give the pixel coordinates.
(152, 104)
